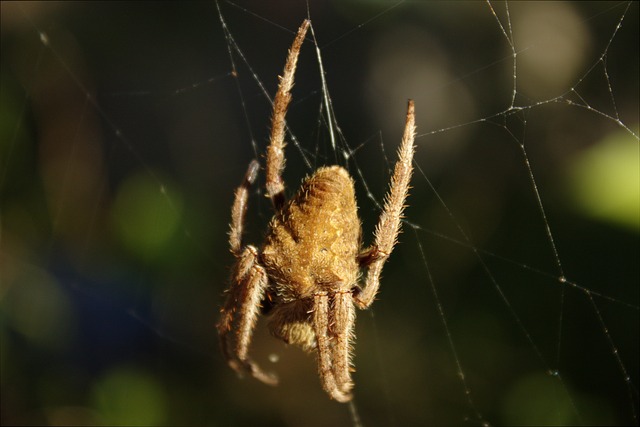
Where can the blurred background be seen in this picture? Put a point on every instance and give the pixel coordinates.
(512, 297)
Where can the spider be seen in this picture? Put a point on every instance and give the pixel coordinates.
(308, 268)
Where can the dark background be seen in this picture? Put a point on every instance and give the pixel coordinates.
(124, 136)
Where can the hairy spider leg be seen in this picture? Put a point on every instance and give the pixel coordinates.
(275, 151)
(239, 208)
(249, 282)
(344, 316)
(321, 324)
(388, 228)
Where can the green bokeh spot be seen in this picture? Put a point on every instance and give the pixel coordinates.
(604, 182)
(127, 396)
(146, 214)
(36, 307)
(537, 400)
(545, 400)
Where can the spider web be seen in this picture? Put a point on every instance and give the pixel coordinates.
(512, 297)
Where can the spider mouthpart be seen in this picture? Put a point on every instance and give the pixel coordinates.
(266, 305)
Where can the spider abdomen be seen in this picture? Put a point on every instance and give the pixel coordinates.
(313, 243)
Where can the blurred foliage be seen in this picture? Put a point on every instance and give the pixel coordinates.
(127, 396)
(537, 400)
(605, 181)
(125, 128)
(143, 219)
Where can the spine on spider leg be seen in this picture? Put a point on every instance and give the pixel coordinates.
(388, 228)
(275, 151)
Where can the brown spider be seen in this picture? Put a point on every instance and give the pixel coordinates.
(308, 268)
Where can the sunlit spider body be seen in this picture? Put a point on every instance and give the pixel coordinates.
(312, 246)
(308, 269)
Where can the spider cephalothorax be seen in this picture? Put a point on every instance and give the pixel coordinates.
(309, 265)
